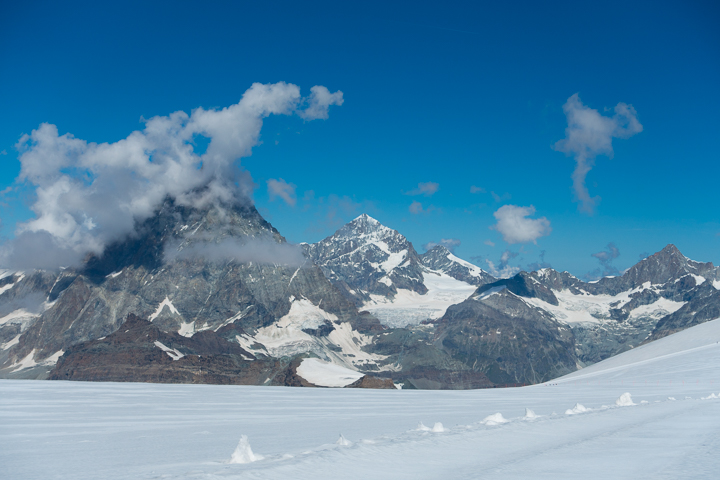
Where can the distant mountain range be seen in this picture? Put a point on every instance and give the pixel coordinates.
(218, 296)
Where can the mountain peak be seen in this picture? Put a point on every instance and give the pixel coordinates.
(362, 226)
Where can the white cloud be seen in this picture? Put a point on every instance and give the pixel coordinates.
(515, 227)
(489, 243)
(474, 189)
(280, 188)
(416, 208)
(318, 103)
(424, 188)
(590, 134)
(89, 194)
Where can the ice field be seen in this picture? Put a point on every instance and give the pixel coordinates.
(580, 426)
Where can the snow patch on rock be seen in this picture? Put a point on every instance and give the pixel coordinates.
(174, 353)
(163, 304)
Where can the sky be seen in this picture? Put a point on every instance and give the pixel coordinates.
(519, 134)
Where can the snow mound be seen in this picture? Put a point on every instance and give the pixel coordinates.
(709, 397)
(438, 427)
(672, 399)
(243, 453)
(529, 414)
(422, 427)
(625, 400)
(494, 419)
(342, 441)
(576, 409)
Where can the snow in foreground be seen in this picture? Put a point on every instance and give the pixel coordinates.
(581, 426)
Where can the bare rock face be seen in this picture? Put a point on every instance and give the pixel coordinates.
(140, 352)
(440, 259)
(368, 381)
(506, 339)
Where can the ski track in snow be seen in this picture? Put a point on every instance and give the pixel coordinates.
(109, 430)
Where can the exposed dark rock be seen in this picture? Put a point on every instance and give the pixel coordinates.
(136, 353)
(368, 381)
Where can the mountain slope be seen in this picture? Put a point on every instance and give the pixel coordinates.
(179, 275)
(381, 271)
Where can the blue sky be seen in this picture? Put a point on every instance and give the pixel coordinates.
(461, 95)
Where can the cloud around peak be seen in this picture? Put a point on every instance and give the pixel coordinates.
(90, 194)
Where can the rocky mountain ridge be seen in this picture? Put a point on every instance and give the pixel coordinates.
(220, 291)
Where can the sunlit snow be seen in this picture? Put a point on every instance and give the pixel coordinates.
(53, 430)
(412, 308)
(326, 374)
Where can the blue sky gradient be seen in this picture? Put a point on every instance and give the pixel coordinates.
(464, 94)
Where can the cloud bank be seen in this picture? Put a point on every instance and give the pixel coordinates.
(590, 134)
(515, 227)
(232, 249)
(88, 194)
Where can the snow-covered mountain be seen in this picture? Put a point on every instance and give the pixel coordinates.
(216, 295)
(191, 271)
(380, 270)
(662, 294)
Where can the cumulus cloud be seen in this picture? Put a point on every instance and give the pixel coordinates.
(280, 188)
(319, 102)
(605, 257)
(424, 188)
(231, 249)
(590, 134)
(449, 243)
(515, 226)
(489, 243)
(88, 194)
(474, 189)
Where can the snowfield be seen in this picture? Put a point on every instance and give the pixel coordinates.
(411, 308)
(652, 412)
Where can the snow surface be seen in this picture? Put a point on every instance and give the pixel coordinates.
(592, 309)
(54, 430)
(17, 316)
(343, 346)
(411, 308)
(5, 288)
(326, 374)
(163, 304)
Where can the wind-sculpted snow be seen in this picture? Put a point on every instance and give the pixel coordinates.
(630, 426)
